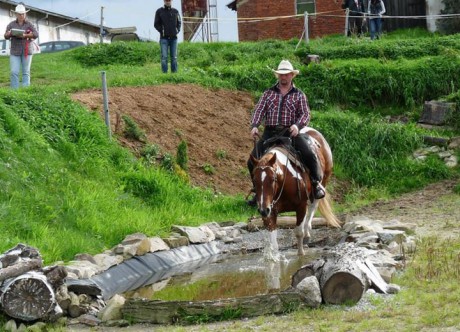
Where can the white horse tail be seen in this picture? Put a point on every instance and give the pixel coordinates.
(326, 211)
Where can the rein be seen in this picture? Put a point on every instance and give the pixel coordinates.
(282, 186)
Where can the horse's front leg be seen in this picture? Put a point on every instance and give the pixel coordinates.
(273, 248)
(299, 230)
(308, 221)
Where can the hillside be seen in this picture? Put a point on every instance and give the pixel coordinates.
(214, 123)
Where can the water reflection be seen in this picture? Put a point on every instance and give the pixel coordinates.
(231, 276)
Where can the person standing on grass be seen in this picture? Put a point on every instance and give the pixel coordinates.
(375, 9)
(168, 24)
(21, 45)
(355, 18)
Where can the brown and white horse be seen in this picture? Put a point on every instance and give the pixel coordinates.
(281, 186)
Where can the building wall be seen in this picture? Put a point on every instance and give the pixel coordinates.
(52, 27)
(285, 28)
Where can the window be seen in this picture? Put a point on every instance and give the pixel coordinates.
(306, 6)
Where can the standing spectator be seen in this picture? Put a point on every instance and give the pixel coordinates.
(21, 32)
(168, 24)
(355, 18)
(375, 9)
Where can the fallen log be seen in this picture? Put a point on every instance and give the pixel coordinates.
(344, 274)
(20, 268)
(28, 297)
(183, 312)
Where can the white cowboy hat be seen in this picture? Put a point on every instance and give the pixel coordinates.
(285, 67)
(20, 9)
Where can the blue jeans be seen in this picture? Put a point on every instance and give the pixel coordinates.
(16, 62)
(171, 46)
(375, 26)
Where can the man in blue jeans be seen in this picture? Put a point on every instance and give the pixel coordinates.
(168, 24)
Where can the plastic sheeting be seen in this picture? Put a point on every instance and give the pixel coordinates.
(144, 270)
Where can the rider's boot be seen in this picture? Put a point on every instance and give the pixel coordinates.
(318, 189)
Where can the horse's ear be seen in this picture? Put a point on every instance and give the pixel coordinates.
(253, 159)
(272, 160)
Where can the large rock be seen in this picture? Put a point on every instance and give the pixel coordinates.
(436, 112)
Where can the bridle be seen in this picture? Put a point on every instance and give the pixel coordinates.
(262, 168)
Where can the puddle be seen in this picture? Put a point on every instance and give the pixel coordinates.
(229, 276)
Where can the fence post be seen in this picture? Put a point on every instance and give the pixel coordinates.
(347, 13)
(307, 32)
(106, 104)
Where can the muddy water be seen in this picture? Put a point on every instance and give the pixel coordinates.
(228, 277)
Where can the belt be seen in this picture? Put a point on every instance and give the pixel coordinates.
(276, 128)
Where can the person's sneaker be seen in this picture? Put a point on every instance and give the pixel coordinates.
(252, 201)
(318, 191)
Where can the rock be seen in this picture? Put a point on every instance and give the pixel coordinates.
(106, 261)
(195, 234)
(176, 241)
(157, 244)
(310, 291)
(113, 309)
(436, 112)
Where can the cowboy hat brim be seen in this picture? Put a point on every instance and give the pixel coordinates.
(285, 71)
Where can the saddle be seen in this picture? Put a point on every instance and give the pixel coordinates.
(292, 155)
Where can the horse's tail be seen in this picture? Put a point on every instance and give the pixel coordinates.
(326, 211)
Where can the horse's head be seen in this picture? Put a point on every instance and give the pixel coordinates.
(265, 177)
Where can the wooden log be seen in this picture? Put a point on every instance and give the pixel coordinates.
(20, 268)
(439, 141)
(182, 312)
(344, 274)
(341, 280)
(28, 297)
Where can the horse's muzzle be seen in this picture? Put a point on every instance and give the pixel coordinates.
(265, 212)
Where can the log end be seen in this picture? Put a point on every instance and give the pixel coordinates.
(343, 288)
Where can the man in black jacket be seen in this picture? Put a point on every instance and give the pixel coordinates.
(355, 19)
(168, 24)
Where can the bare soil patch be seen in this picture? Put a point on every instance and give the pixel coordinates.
(213, 122)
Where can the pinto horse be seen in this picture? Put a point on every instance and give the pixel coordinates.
(282, 186)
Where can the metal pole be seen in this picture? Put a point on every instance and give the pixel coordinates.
(101, 31)
(106, 104)
(307, 32)
(347, 13)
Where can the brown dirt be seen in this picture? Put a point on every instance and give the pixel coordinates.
(214, 123)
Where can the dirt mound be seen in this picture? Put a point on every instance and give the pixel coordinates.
(213, 122)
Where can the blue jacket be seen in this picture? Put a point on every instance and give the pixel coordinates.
(167, 22)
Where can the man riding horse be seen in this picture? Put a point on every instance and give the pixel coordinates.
(284, 110)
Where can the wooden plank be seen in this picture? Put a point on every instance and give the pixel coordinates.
(182, 312)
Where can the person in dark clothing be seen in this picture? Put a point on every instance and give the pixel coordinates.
(284, 110)
(355, 18)
(375, 9)
(168, 24)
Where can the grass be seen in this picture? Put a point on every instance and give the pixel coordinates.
(67, 188)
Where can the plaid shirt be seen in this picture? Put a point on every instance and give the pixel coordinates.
(276, 110)
(19, 44)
